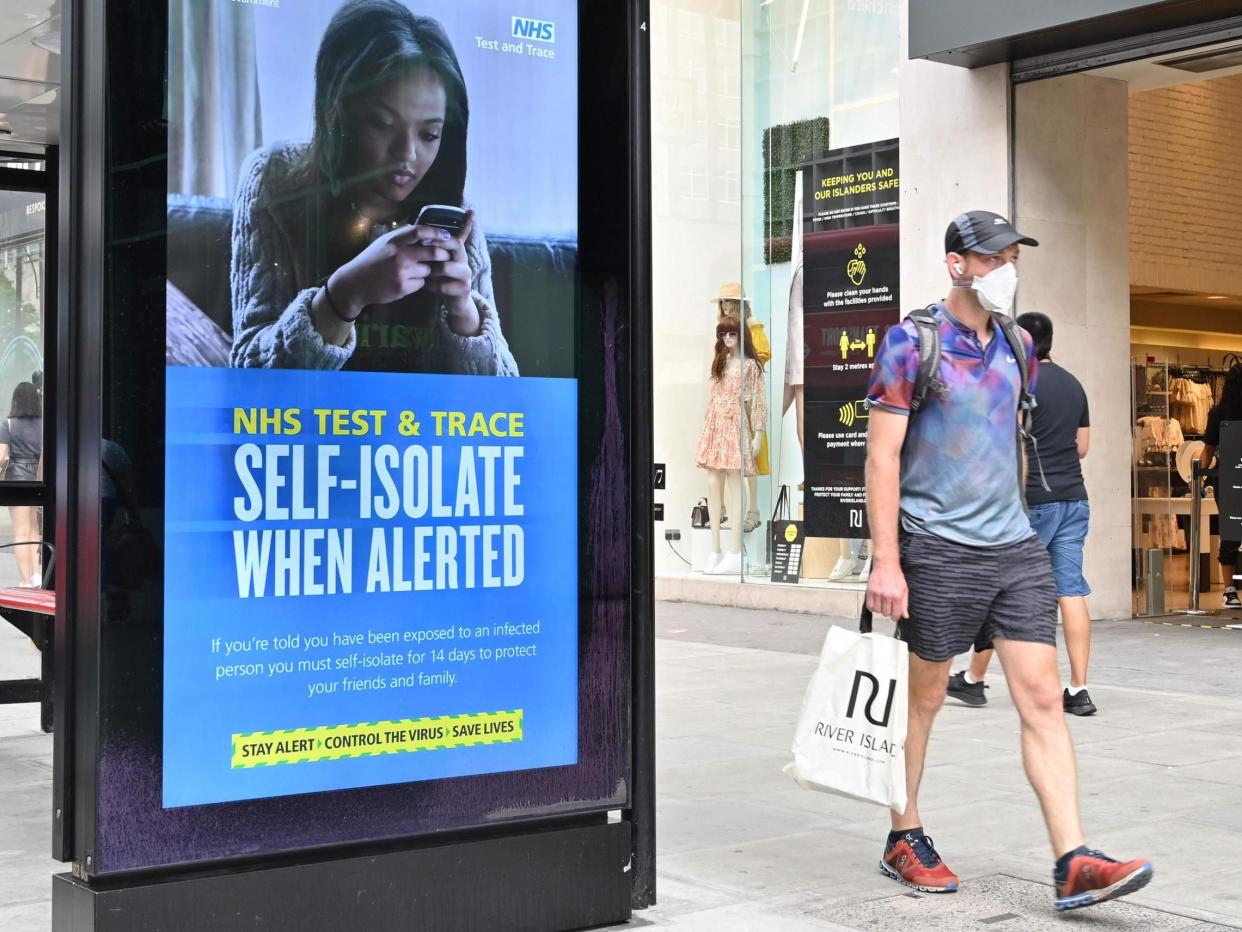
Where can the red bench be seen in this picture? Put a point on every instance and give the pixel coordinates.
(31, 611)
(39, 601)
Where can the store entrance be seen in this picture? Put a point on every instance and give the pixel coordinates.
(1128, 176)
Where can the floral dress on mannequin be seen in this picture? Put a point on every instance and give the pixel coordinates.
(725, 440)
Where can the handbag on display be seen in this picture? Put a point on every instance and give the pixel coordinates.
(851, 735)
(780, 512)
(699, 516)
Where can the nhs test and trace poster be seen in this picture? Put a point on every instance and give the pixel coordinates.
(371, 513)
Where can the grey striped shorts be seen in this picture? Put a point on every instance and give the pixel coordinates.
(965, 596)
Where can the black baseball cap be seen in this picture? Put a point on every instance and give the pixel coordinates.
(982, 231)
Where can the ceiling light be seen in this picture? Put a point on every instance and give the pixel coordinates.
(1201, 62)
(1217, 297)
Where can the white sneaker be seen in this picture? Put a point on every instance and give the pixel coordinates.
(712, 559)
(865, 573)
(844, 567)
(729, 565)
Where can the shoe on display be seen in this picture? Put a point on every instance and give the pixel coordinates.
(913, 861)
(712, 559)
(1231, 599)
(1080, 704)
(844, 567)
(730, 565)
(969, 693)
(751, 522)
(1093, 878)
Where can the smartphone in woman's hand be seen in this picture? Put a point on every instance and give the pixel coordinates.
(442, 216)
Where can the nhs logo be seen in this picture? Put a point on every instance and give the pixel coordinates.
(537, 30)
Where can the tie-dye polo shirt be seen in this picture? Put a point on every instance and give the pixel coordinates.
(959, 464)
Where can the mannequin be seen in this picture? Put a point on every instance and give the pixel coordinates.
(794, 355)
(728, 444)
(730, 303)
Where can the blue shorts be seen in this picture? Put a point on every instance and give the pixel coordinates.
(1062, 526)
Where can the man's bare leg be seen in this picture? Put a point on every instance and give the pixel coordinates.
(1047, 750)
(1076, 623)
(979, 661)
(928, 680)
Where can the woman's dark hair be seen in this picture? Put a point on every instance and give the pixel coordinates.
(1231, 395)
(26, 401)
(1039, 326)
(730, 325)
(369, 43)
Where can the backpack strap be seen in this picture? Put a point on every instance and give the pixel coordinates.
(1013, 336)
(1026, 401)
(929, 354)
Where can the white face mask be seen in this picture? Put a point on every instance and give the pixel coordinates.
(997, 288)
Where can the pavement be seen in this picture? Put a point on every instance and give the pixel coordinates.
(741, 847)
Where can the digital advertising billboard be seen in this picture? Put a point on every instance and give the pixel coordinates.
(371, 507)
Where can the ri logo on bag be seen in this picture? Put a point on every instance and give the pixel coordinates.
(869, 708)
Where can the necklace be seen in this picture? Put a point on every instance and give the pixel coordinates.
(371, 229)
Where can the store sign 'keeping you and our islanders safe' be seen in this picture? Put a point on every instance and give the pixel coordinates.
(371, 460)
(851, 295)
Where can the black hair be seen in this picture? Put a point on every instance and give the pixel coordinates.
(1039, 326)
(26, 401)
(369, 43)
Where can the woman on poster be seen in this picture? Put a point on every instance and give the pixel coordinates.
(329, 268)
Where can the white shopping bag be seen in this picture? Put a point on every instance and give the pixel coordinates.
(852, 732)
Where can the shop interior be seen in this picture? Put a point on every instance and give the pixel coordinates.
(1185, 214)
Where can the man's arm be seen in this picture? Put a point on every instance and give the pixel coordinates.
(1207, 455)
(1084, 441)
(886, 589)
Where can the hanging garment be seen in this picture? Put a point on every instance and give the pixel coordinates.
(1157, 435)
(1189, 403)
(725, 439)
(1164, 534)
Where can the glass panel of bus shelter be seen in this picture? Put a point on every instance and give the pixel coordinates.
(22, 283)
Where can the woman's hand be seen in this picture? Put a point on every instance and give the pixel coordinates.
(453, 280)
(396, 265)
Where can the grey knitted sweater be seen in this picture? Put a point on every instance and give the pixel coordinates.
(272, 288)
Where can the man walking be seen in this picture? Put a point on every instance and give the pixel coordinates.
(955, 556)
(1060, 436)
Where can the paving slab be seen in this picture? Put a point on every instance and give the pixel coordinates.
(1004, 903)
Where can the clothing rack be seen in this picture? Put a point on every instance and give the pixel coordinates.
(1197, 373)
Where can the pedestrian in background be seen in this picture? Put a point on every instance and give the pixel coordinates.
(1060, 515)
(21, 451)
(1229, 409)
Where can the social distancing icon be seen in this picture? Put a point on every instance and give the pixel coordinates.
(865, 344)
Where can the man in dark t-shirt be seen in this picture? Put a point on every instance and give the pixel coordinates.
(1060, 514)
(1229, 409)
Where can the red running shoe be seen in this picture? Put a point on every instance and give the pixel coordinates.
(913, 861)
(1093, 877)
